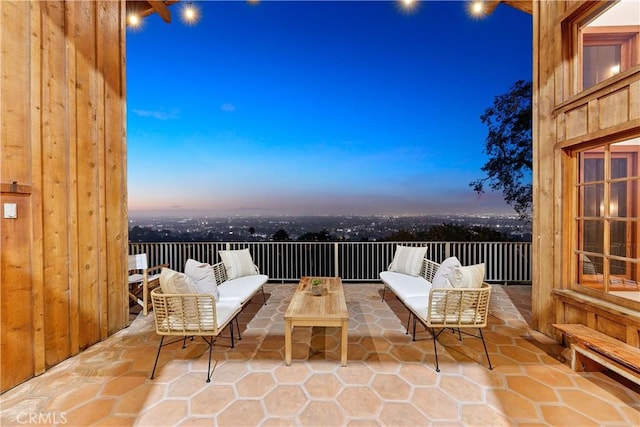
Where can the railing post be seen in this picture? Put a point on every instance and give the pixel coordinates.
(447, 250)
(336, 258)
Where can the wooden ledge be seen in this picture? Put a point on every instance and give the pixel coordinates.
(625, 315)
(15, 188)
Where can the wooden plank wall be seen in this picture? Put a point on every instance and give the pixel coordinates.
(547, 218)
(564, 120)
(62, 105)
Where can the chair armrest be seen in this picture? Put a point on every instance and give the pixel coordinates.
(176, 314)
(459, 307)
(220, 273)
(157, 267)
(428, 269)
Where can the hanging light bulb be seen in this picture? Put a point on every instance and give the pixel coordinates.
(190, 14)
(133, 20)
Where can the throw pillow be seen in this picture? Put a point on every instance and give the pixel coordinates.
(467, 277)
(441, 278)
(238, 263)
(203, 277)
(173, 282)
(408, 259)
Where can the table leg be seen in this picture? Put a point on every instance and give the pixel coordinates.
(343, 345)
(287, 342)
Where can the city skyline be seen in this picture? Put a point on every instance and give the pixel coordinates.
(302, 108)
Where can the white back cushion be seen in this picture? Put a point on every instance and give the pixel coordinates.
(467, 277)
(408, 260)
(238, 263)
(202, 276)
(441, 278)
(173, 282)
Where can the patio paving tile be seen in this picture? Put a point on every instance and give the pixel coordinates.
(389, 380)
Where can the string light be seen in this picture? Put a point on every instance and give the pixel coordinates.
(477, 8)
(133, 20)
(190, 14)
(408, 5)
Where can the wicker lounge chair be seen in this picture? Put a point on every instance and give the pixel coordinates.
(189, 315)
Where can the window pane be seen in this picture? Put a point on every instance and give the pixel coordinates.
(618, 199)
(590, 271)
(592, 166)
(600, 63)
(592, 200)
(593, 236)
(619, 167)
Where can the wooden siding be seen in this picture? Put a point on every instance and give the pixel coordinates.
(608, 111)
(63, 143)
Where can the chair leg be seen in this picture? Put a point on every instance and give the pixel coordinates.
(415, 322)
(145, 296)
(157, 356)
(209, 365)
(384, 289)
(238, 328)
(264, 297)
(435, 348)
(485, 348)
(408, 320)
(231, 327)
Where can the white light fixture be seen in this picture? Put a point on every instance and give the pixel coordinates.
(190, 14)
(133, 20)
(408, 5)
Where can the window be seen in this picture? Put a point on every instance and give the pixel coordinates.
(608, 219)
(608, 42)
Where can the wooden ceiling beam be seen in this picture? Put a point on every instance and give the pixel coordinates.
(523, 5)
(488, 6)
(161, 9)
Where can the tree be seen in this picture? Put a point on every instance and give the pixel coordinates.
(281, 236)
(509, 146)
(321, 236)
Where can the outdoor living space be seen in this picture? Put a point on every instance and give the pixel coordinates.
(389, 380)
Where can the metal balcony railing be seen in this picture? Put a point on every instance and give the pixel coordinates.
(505, 262)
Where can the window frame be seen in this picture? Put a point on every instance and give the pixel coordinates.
(626, 37)
(632, 219)
(571, 29)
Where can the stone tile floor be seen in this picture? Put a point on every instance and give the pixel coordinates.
(389, 381)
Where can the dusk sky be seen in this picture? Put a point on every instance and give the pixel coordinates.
(336, 107)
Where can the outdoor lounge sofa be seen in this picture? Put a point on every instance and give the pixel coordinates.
(441, 296)
(205, 299)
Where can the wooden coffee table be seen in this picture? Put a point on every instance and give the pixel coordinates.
(329, 309)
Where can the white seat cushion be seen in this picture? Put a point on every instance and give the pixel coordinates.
(226, 311)
(136, 278)
(405, 286)
(418, 305)
(242, 288)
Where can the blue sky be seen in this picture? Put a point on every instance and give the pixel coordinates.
(337, 107)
